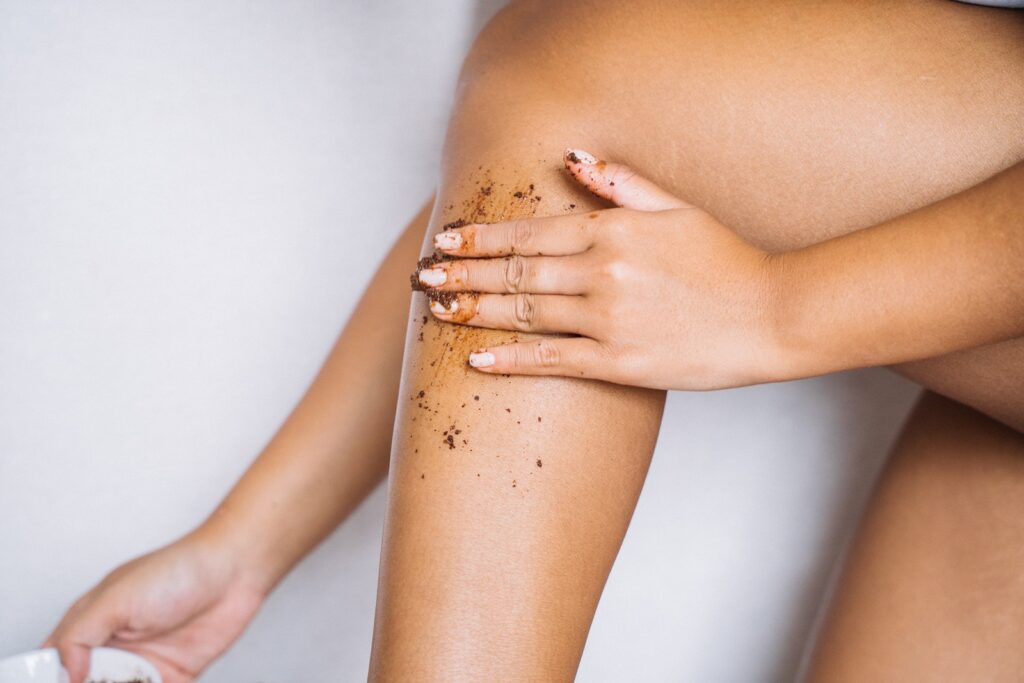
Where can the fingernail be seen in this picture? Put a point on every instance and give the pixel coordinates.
(433, 277)
(447, 240)
(578, 156)
(481, 359)
(437, 308)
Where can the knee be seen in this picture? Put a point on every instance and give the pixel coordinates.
(520, 66)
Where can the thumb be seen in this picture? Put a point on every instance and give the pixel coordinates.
(91, 627)
(619, 184)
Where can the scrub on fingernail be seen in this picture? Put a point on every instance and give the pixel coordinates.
(481, 359)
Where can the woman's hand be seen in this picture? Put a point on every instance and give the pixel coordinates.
(180, 607)
(659, 293)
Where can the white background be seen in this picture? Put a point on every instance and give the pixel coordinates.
(192, 195)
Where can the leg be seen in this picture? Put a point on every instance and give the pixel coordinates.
(933, 588)
(481, 579)
(508, 497)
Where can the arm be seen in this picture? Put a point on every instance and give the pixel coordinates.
(181, 606)
(334, 448)
(946, 277)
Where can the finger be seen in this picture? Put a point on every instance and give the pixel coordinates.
(619, 184)
(521, 312)
(509, 275)
(574, 357)
(92, 627)
(547, 235)
(69, 616)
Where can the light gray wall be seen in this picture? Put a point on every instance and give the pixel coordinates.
(192, 195)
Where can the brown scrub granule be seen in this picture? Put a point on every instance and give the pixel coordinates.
(476, 398)
(539, 463)
(426, 262)
(450, 440)
(442, 296)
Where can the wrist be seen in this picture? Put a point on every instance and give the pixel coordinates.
(225, 541)
(795, 351)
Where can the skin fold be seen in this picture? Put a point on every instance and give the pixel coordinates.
(790, 123)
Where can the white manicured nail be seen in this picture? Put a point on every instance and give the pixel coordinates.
(578, 156)
(481, 359)
(437, 308)
(433, 277)
(447, 240)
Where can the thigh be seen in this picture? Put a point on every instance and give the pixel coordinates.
(797, 121)
(792, 121)
(933, 588)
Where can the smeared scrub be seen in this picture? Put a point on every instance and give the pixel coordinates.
(444, 297)
(491, 201)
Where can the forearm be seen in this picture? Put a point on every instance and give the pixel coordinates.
(947, 277)
(334, 447)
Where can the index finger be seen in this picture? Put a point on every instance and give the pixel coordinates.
(544, 236)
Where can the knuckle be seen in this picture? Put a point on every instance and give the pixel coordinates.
(524, 311)
(522, 235)
(513, 273)
(615, 269)
(622, 175)
(546, 354)
(613, 230)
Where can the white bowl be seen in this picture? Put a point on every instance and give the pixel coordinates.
(107, 665)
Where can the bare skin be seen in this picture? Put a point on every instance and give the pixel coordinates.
(932, 590)
(508, 497)
(791, 123)
(781, 170)
(184, 604)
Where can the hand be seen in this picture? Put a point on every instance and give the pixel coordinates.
(659, 293)
(179, 607)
